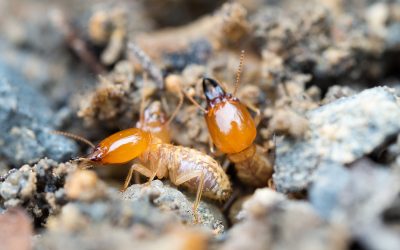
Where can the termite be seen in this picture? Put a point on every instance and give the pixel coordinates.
(233, 131)
(156, 157)
(171, 84)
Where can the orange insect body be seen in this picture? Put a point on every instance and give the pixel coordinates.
(184, 166)
(121, 147)
(233, 131)
(230, 124)
(149, 143)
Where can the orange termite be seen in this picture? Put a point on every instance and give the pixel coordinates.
(233, 131)
(156, 157)
(184, 166)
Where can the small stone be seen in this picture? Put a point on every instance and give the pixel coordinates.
(358, 199)
(26, 118)
(339, 132)
(329, 182)
(84, 185)
(170, 199)
(39, 188)
(271, 221)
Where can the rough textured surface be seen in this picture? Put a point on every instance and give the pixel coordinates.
(147, 220)
(103, 237)
(38, 188)
(364, 199)
(80, 75)
(341, 131)
(26, 122)
(331, 180)
(169, 199)
(278, 223)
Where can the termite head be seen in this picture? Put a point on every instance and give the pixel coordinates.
(214, 92)
(230, 124)
(154, 121)
(120, 147)
(96, 155)
(153, 114)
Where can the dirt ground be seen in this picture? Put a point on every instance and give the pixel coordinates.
(323, 77)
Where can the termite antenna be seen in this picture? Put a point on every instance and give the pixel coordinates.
(239, 71)
(176, 109)
(147, 64)
(73, 136)
(143, 98)
(195, 103)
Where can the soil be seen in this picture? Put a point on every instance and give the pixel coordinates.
(323, 76)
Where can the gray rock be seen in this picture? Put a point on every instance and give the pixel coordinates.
(170, 199)
(271, 221)
(324, 193)
(360, 199)
(26, 120)
(38, 188)
(339, 132)
(108, 223)
(393, 37)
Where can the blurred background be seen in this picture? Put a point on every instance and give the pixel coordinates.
(66, 65)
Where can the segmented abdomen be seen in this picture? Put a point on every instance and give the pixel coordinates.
(181, 160)
(254, 170)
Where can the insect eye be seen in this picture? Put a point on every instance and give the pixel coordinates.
(212, 90)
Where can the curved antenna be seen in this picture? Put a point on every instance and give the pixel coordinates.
(73, 136)
(176, 109)
(143, 99)
(239, 71)
(147, 64)
(195, 103)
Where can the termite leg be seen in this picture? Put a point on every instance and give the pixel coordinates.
(187, 177)
(215, 152)
(135, 167)
(137, 178)
(198, 197)
(153, 175)
(211, 144)
(230, 201)
(225, 164)
(143, 98)
(271, 184)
